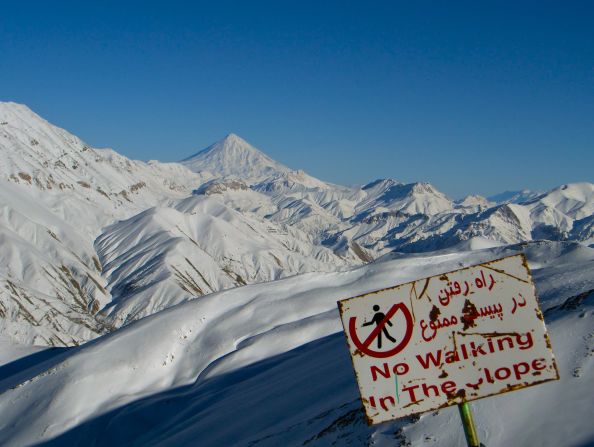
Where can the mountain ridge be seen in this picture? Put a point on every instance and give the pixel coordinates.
(136, 238)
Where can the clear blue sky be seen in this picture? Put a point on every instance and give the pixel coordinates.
(474, 97)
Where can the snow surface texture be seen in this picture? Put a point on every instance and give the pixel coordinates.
(268, 365)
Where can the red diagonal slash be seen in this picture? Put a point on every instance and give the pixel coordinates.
(364, 346)
(380, 326)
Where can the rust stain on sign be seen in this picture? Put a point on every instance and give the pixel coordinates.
(469, 313)
(434, 314)
(491, 334)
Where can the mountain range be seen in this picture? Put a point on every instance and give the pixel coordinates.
(93, 240)
(178, 280)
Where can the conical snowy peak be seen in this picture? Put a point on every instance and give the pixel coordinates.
(233, 156)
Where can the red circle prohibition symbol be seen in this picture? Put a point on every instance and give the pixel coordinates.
(363, 346)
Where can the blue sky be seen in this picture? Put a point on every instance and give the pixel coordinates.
(474, 97)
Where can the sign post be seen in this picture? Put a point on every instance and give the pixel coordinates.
(448, 340)
(468, 424)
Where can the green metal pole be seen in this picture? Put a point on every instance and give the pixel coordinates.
(468, 424)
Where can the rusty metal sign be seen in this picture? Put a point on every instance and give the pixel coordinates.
(447, 339)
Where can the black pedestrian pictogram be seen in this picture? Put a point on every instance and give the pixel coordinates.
(379, 318)
(363, 345)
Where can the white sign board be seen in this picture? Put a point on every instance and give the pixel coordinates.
(447, 339)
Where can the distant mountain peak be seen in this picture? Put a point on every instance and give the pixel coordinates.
(232, 141)
(523, 195)
(234, 156)
(233, 137)
(380, 183)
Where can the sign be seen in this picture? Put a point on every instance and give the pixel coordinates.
(448, 339)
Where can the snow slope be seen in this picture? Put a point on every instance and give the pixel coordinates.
(56, 195)
(197, 246)
(91, 187)
(267, 365)
(50, 277)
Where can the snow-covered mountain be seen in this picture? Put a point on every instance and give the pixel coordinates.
(91, 187)
(129, 238)
(199, 245)
(413, 198)
(514, 196)
(235, 157)
(57, 194)
(72, 214)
